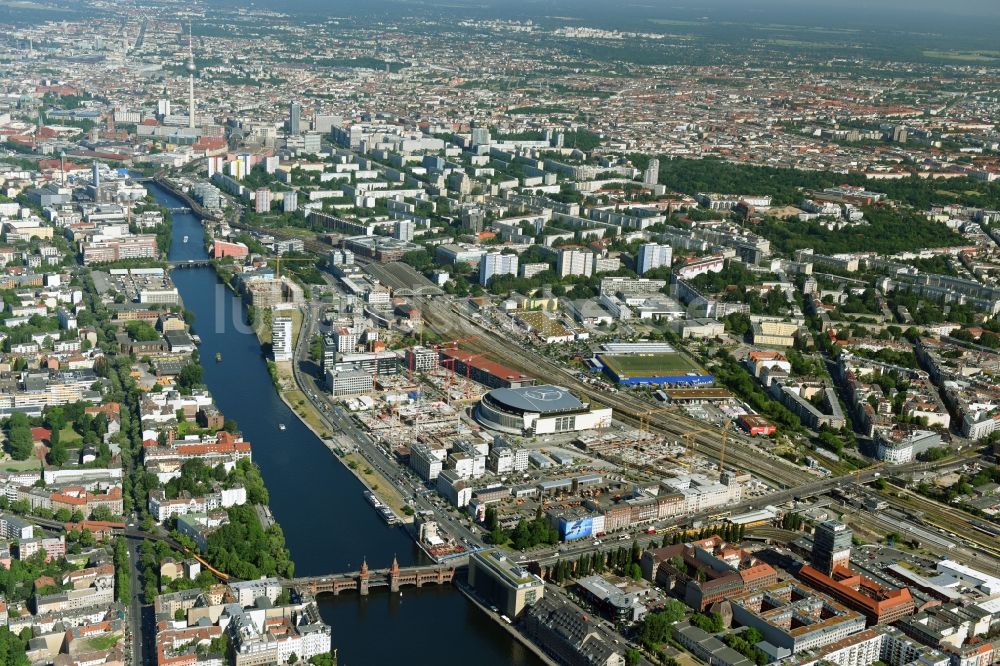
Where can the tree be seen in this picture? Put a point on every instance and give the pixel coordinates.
(19, 441)
(713, 623)
(58, 455)
(13, 649)
(55, 418)
(191, 375)
(656, 627)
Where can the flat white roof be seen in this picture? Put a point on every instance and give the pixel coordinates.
(989, 584)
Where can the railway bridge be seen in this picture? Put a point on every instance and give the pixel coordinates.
(366, 579)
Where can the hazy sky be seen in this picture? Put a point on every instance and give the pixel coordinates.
(982, 8)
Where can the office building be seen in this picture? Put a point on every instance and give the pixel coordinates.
(496, 263)
(345, 340)
(652, 255)
(348, 383)
(281, 338)
(831, 546)
(503, 582)
(878, 604)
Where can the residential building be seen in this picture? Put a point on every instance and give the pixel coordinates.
(794, 618)
(575, 262)
(651, 256)
(281, 338)
(496, 263)
(262, 200)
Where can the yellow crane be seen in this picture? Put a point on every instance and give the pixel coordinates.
(690, 437)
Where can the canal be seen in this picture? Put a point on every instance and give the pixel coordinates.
(327, 523)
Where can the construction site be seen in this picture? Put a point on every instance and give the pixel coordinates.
(425, 412)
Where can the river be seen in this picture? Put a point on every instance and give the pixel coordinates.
(328, 525)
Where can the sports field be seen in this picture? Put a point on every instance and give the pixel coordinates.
(650, 365)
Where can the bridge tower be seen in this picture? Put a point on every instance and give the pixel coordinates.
(394, 575)
(363, 578)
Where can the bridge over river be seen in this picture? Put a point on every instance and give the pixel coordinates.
(366, 579)
(190, 263)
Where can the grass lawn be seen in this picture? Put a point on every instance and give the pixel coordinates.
(650, 365)
(11, 465)
(306, 411)
(381, 486)
(67, 434)
(190, 428)
(104, 642)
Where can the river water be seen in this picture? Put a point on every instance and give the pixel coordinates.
(328, 525)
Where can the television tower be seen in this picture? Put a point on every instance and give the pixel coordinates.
(191, 70)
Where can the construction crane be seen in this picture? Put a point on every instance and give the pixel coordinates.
(468, 373)
(691, 436)
(452, 345)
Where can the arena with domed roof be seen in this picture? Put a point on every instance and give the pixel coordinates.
(538, 410)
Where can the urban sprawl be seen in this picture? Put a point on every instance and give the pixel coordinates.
(658, 358)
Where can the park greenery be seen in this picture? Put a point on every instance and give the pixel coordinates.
(526, 534)
(243, 548)
(729, 373)
(888, 231)
(141, 331)
(786, 186)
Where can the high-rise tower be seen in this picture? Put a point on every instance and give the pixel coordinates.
(294, 117)
(191, 69)
(831, 546)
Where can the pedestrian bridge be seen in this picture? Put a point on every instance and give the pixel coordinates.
(366, 579)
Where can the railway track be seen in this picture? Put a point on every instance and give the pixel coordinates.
(949, 519)
(629, 409)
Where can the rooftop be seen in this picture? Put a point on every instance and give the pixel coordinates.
(545, 399)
